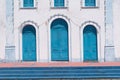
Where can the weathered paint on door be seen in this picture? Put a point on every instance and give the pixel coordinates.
(29, 43)
(90, 43)
(59, 40)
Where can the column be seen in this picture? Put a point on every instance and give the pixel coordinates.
(109, 43)
(10, 47)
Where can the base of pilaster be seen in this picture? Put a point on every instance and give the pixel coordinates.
(10, 54)
(109, 53)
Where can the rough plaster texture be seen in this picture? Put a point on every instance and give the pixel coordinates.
(77, 17)
(2, 29)
(9, 48)
(116, 23)
(109, 41)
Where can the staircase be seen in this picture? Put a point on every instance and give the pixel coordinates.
(60, 72)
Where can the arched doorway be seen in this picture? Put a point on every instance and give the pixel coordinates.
(59, 40)
(29, 43)
(90, 43)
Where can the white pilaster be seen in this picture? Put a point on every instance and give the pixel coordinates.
(9, 48)
(109, 43)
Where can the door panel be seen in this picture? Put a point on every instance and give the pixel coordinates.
(29, 43)
(90, 43)
(59, 41)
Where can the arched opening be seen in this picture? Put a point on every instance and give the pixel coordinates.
(29, 43)
(90, 43)
(59, 40)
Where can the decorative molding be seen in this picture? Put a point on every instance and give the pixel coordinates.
(20, 28)
(50, 20)
(95, 24)
(29, 22)
(81, 28)
(62, 16)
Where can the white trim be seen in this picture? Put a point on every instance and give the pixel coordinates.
(98, 38)
(35, 3)
(66, 3)
(69, 35)
(20, 38)
(21, 3)
(52, 3)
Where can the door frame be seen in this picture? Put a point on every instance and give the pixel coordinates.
(20, 39)
(93, 33)
(69, 36)
(98, 39)
(65, 38)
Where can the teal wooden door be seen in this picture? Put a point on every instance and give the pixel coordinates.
(59, 40)
(90, 43)
(29, 43)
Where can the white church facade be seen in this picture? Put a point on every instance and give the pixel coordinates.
(59, 30)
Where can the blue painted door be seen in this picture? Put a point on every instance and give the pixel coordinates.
(59, 41)
(29, 43)
(90, 43)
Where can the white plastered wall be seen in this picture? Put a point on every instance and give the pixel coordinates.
(75, 15)
(2, 29)
(116, 27)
